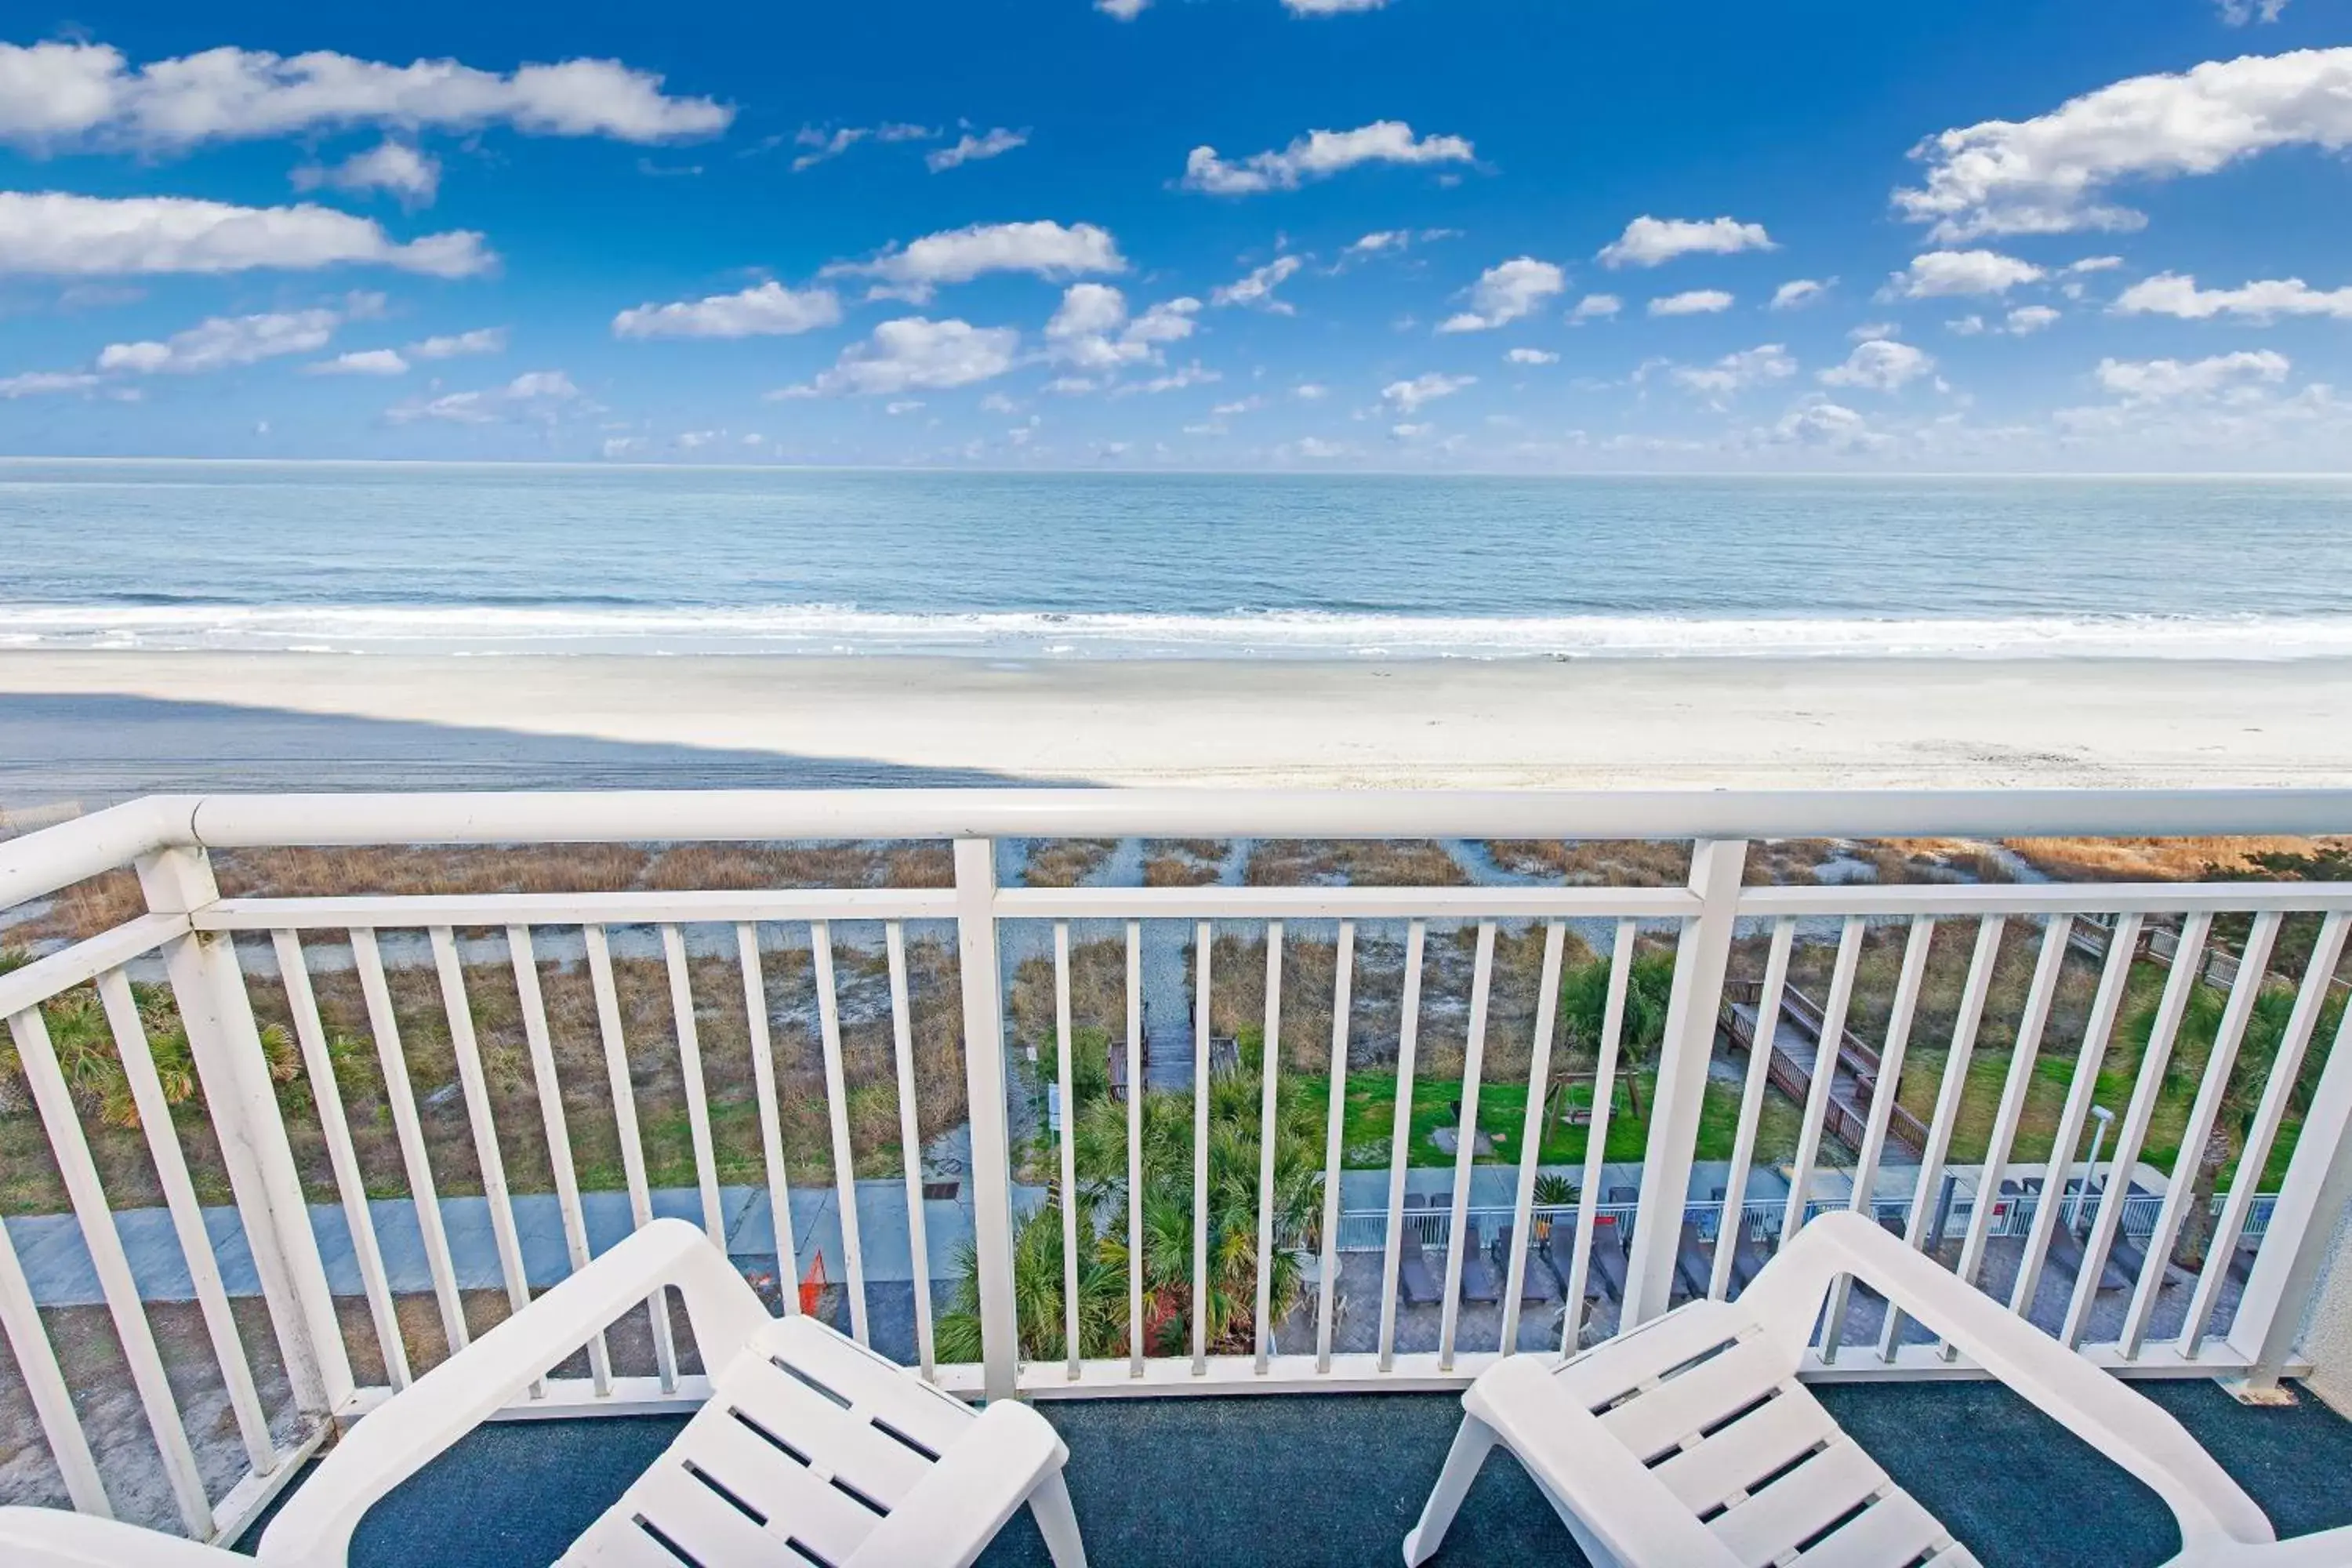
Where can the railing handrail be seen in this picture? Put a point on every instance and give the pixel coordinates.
(41, 862)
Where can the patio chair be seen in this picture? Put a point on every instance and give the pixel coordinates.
(1478, 1286)
(54, 1537)
(810, 1443)
(1694, 1260)
(1414, 1281)
(1535, 1284)
(1689, 1443)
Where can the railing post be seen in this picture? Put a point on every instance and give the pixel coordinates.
(208, 985)
(1701, 957)
(984, 1090)
(2301, 1230)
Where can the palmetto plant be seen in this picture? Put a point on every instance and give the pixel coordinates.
(1099, 1145)
(83, 1039)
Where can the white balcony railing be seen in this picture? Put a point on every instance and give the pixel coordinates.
(820, 1071)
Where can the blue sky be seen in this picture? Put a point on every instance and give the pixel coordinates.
(1219, 234)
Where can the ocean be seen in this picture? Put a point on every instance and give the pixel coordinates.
(481, 559)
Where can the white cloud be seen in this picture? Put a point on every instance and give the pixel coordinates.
(39, 382)
(2177, 294)
(1818, 421)
(902, 406)
(365, 361)
(826, 145)
(1311, 392)
(480, 341)
(1651, 241)
(1257, 287)
(2166, 380)
(2094, 264)
(1505, 292)
(1193, 374)
(971, 149)
(1943, 273)
(1880, 364)
(1408, 395)
(1383, 239)
(2049, 175)
(539, 393)
(395, 166)
(1317, 155)
(1531, 357)
(1798, 293)
(916, 352)
(1694, 302)
(1595, 308)
(2027, 320)
(54, 233)
(1314, 447)
(2238, 13)
(1093, 331)
(1736, 373)
(768, 309)
(1123, 10)
(1341, 7)
(54, 94)
(1869, 329)
(221, 342)
(1045, 249)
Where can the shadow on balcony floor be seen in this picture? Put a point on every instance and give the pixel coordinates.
(1338, 1479)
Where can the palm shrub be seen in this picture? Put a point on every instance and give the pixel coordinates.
(84, 1043)
(1099, 1151)
(1585, 1016)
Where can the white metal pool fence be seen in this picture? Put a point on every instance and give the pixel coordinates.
(2171, 1326)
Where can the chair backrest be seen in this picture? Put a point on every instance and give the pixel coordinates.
(808, 1440)
(1712, 1407)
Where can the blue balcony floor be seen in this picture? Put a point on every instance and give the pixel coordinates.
(1330, 1479)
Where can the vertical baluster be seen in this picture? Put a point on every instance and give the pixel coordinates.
(2186, 960)
(477, 1092)
(1926, 1208)
(95, 1218)
(1269, 1070)
(836, 1102)
(138, 1061)
(2253, 968)
(2019, 1082)
(350, 1186)
(624, 1131)
(1465, 1139)
(910, 1144)
(1334, 1134)
(1401, 1138)
(2285, 1068)
(2080, 1090)
(689, 1068)
(1068, 1140)
(1202, 938)
(1596, 1139)
(1531, 1135)
(400, 1099)
(1883, 1095)
(1761, 1045)
(548, 1084)
(45, 1386)
(1825, 1060)
(772, 1127)
(1135, 1148)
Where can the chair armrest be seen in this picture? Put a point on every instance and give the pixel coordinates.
(53, 1537)
(953, 1513)
(1587, 1472)
(416, 1425)
(2321, 1548)
(2210, 1509)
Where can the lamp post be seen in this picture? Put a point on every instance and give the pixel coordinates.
(2105, 1119)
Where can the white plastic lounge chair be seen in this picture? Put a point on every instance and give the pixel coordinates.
(1648, 1445)
(810, 1443)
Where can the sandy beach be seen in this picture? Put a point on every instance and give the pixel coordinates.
(94, 726)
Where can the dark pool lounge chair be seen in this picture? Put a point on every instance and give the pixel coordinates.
(1537, 1285)
(1414, 1281)
(1478, 1285)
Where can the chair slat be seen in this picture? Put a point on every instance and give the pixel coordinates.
(796, 1499)
(1894, 1533)
(838, 1442)
(1621, 1364)
(1734, 1458)
(705, 1524)
(1801, 1504)
(1683, 1407)
(878, 1386)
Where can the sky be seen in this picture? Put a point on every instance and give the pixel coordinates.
(1298, 235)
